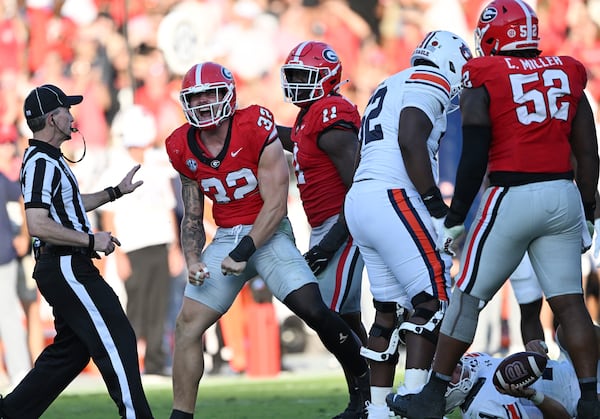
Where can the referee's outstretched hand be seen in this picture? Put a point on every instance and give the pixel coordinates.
(127, 185)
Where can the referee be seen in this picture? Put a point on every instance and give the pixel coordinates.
(88, 316)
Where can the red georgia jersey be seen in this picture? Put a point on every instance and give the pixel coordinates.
(532, 104)
(321, 188)
(230, 179)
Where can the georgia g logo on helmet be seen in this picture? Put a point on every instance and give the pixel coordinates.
(489, 14)
(330, 55)
(226, 73)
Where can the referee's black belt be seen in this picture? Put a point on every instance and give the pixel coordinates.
(52, 250)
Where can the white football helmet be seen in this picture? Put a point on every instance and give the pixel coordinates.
(449, 52)
(209, 78)
(461, 384)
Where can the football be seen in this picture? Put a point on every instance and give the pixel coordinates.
(521, 369)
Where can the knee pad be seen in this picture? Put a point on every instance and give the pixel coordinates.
(392, 334)
(433, 318)
(461, 318)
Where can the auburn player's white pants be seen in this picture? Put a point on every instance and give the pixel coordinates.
(396, 238)
(543, 219)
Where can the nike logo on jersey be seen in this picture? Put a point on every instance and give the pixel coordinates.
(343, 337)
(235, 153)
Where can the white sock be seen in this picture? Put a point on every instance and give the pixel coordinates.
(415, 378)
(378, 395)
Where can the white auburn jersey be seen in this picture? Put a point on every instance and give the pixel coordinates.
(423, 87)
(559, 381)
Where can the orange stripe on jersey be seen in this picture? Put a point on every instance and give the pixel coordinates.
(431, 78)
(424, 243)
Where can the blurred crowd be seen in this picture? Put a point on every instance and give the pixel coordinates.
(118, 53)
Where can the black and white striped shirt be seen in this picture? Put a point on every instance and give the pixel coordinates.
(48, 182)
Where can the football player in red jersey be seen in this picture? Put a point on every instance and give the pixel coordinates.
(233, 157)
(324, 143)
(524, 116)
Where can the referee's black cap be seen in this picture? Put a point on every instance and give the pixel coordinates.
(46, 98)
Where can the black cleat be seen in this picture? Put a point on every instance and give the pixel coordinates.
(352, 413)
(588, 409)
(359, 397)
(428, 404)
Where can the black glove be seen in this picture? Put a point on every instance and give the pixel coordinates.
(319, 255)
(318, 259)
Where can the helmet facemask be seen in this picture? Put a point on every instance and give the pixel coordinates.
(212, 113)
(461, 384)
(207, 95)
(304, 84)
(479, 38)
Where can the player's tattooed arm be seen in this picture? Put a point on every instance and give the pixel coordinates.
(193, 236)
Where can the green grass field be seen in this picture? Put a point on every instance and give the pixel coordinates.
(289, 396)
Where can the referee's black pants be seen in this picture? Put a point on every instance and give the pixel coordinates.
(89, 322)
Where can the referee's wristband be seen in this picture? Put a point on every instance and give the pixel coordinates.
(244, 250)
(113, 193)
(537, 398)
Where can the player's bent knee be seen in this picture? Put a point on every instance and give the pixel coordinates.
(460, 321)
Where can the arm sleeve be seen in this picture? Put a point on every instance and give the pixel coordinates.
(470, 173)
